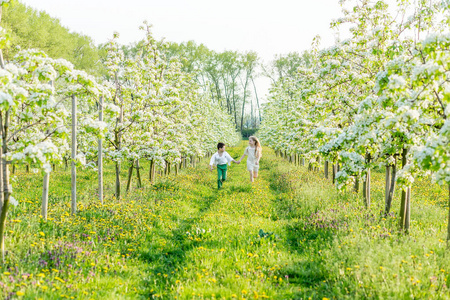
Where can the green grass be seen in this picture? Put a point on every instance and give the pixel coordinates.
(289, 235)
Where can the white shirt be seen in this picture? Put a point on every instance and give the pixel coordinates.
(223, 159)
(251, 155)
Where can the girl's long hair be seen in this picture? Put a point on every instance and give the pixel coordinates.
(258, 148)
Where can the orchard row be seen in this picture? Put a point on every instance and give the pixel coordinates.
(144, 108)
(380, 99)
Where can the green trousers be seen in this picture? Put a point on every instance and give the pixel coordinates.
(221, 174)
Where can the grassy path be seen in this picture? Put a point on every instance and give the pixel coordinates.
(227, 243)
(289, 235)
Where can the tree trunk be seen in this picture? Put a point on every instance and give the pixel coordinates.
(326, 169)
(138, 174)
(243, 104)
(74, 154)
(176, 169)
(1, 173)
(257, 100)
(235, 111)
(387, 185)
(2, 62)
(6, 193)
(168, 168)
(391, 189)
(6, 199)
(356, 188)
(3, 136)
(117, 194)
(130, 174)
(405, 202)
(118, 142)
(448, 222)
(366, 187)
(334, 172)
(151, 172)
(14, 169)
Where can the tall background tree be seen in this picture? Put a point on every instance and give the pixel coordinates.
(29, 28)
(228, 76)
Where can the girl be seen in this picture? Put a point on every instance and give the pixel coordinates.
(254, 152)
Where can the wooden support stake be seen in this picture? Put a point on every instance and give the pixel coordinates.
(74, 154)
(100, 154)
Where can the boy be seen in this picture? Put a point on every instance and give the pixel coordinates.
(221, 158)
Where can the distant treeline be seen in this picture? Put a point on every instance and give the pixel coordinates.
(229, 76)
(29, 28)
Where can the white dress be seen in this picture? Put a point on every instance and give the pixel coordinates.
(251, 160)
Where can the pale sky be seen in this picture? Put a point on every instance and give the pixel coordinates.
(268, 27)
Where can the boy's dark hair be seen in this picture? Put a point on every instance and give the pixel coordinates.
(220, 145)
